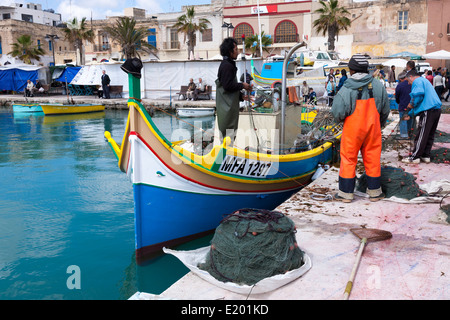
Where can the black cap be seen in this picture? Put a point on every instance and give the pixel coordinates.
(132, 66)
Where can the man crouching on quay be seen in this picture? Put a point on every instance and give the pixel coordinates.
(363, 105)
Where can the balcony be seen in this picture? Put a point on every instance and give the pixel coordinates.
(101, 48)
(171, 45)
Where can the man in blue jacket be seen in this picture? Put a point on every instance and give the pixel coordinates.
(426, 104)
(402, 97)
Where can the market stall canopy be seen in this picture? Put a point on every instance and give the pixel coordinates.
(68, 74)
(14, 76)
(400, 63)
(439, 55)
(407, 54)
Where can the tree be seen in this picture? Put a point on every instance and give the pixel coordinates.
(25, 50)
(252, 43)
(130, 39)
(186, 25)
(332, 20)
(76, 32)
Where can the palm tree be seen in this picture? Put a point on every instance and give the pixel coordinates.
(252, 43)
(130, 39)
(25, 50)
(186, 25)
(332, 20)
(76, 32)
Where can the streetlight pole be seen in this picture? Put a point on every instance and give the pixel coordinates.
(52, 38)
(228, 26)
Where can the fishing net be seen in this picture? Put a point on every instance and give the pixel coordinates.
(394, 182)
(252, 244)
(441, 136)
(440, 155)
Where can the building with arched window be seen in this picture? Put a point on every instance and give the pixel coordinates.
(284, 22)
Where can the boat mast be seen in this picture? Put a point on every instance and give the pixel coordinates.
(283, 89)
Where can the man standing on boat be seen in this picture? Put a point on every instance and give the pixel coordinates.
(228, 90)
(363, 105)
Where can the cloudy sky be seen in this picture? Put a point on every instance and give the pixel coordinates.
(99, 9)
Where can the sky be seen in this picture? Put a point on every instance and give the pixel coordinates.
(99, 9)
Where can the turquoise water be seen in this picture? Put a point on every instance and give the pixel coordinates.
(66, 210)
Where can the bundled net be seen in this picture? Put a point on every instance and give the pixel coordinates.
(252, 244)
(395, 182)
(440, 155)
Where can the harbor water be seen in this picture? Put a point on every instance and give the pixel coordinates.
(66, 210)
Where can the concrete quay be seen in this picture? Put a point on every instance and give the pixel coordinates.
(8, 100)
(413, 265)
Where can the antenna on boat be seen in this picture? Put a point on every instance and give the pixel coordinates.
(245, 69)
(67, 90)
(283, 88)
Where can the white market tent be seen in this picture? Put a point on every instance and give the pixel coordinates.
(160, 79)
(398, 63)
(438, 55)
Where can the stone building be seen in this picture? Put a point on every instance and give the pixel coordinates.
(19, 19)
(379, 28)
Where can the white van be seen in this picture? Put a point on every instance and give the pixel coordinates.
(421, 66)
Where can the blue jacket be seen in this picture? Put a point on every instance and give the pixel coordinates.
(341, 82)
(423, 97)
(402, 95)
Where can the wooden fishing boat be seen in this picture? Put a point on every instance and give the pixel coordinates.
(27, 107)
(55, 109)
(195, 112)
(180, 195)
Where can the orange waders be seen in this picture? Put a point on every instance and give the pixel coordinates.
(362, 131)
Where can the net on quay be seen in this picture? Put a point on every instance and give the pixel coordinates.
(252, 244)
(394, 182)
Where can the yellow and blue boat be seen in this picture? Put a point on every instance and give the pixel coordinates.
(180, 195)
(55, 109)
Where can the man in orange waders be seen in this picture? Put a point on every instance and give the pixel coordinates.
(363, 105)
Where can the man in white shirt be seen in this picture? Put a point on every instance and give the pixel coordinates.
(201, 87)
(438, 84)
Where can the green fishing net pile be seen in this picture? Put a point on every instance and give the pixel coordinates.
(440, 155)
(252, 244)
(394, 182)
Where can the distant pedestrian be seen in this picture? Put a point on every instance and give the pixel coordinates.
(342, 79)
(105, 85)
(29, 89)
(305, 92)
(248, 77)
(429, 76)
(426, 104)
(438, 84)
(190, 90)
(391, 76)
(402, 97)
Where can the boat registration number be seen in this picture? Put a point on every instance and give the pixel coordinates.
(245, 167)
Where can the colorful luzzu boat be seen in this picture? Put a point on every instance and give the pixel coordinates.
(179, 195)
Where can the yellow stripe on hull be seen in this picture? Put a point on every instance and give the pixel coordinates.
(71, 109)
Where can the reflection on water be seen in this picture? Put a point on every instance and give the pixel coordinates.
(64, 201)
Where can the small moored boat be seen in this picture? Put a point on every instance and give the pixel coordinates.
(54, 109)
(195, 112)
(27, 107)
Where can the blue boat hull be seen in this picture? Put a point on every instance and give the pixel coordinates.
(27, 108)
(165, 217)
